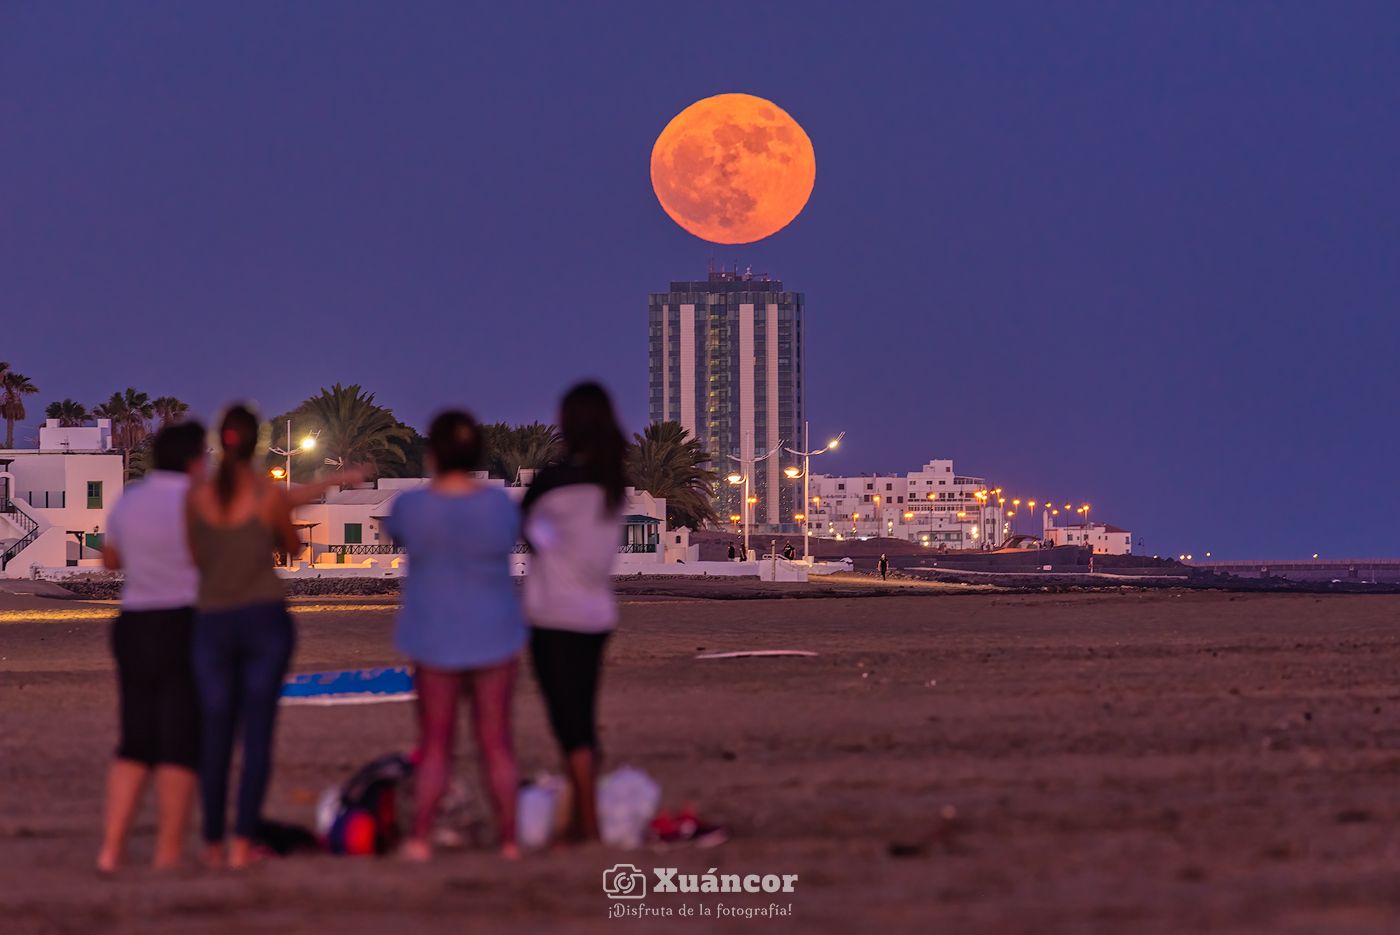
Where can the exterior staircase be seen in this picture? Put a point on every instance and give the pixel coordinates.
(28, 528)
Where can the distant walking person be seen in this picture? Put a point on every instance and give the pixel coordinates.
(733, 555)
(789, 552)
(460, 623)
(573, 522)
(884, 566)
(158, 708)
(243, 636)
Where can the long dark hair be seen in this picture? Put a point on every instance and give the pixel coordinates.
(593, 438)
(238, 440)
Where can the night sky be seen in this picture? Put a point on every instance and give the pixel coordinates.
(1139, 255)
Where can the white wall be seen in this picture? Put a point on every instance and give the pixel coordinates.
(1104, 542)
(63, 477)
(56, 438)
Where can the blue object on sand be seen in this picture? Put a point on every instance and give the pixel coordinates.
(349, 686)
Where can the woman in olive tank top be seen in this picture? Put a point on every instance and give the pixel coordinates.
(243, 636)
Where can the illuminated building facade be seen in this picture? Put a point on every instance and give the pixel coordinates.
(726, 362)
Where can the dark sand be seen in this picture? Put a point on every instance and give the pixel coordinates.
(1116, 762)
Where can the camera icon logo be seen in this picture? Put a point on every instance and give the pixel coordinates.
(624, 881)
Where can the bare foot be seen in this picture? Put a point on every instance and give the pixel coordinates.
(108, 862)
(243, 854)
(416, 850)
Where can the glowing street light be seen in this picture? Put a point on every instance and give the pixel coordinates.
(307, 444)
(806, 474)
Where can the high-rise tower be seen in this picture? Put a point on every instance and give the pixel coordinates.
(725, 361)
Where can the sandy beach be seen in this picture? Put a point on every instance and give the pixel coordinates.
(1158, 761)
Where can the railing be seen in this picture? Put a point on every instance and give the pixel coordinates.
(520, 548)
(23, 521)
(50, 499)
(367, 549)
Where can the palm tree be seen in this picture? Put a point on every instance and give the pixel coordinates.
(14, 386)
(349, 428)
(131, 413)
(666, 462)
(69, 413)
(512, 449)
(139, 460)
(169, 410)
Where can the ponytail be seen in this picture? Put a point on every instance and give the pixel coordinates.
(238, 440)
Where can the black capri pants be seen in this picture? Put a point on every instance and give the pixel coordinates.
(568, 665)
(155, 677)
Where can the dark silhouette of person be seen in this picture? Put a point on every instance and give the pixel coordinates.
(789, 551)
(732, 553)
(884, 566)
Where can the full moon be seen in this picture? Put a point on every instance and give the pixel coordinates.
(733, 168)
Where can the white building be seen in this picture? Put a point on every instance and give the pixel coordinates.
(1105, 539)
(934, 506)
(346, 529)
(54, 499)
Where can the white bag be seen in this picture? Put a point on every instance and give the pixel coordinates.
(536, 811)
(627, 802)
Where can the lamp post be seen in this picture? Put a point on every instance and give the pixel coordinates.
(748, 465)
(307, 444)
(806, 455)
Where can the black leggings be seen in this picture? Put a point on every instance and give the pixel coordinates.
(159, 706)
(567, 665)
(240, 659)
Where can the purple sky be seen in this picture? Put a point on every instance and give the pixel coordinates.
(1142, 255)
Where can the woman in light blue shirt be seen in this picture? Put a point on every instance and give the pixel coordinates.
(460, 622)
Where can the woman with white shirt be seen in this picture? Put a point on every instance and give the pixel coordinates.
(158, 707)
(573, 523)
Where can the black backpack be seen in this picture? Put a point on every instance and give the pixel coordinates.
(366, 816)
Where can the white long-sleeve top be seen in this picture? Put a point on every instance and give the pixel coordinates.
(573, 537)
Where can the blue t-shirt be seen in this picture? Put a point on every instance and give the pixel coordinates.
(460, 607)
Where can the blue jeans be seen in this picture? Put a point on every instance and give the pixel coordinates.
(240, 660)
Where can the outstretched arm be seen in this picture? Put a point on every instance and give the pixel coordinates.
(302, 494)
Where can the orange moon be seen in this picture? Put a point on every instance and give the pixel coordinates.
(733, 168)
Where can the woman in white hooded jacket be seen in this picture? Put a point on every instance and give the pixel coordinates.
(573, 523)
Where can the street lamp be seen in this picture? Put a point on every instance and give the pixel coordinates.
(737, 479)
(307, 444)
(806, 474)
